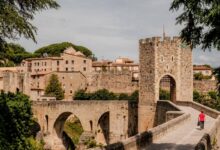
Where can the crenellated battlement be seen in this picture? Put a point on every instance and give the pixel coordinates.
(160, 40)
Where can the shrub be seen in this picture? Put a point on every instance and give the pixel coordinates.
(123, 96)
(196, 96)
(164, 95)
(81, 95)
(198, 76)
(213, 95)
(103, 95)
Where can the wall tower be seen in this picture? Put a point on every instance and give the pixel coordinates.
(169, 58)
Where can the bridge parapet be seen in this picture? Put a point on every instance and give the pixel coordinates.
(144, 139)
(209, 111)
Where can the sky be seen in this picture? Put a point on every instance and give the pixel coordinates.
(110, 28)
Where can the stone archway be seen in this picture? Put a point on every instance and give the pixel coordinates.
(62, 134)
(103, 132)
(167, 88)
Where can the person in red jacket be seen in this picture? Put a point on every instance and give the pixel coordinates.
(201, 120)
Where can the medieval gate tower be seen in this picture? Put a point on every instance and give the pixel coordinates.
(168, 58)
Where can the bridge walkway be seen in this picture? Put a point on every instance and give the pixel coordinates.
(185, 136)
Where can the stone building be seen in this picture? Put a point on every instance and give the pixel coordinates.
(32, 76)
(120, 64)
(10, 79)
(71, 68)
(204, 70)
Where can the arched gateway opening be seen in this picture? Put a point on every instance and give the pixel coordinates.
(167, 88)
(69, 129)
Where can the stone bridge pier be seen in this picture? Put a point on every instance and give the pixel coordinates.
(108, 121)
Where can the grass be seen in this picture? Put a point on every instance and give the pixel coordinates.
(74, 129)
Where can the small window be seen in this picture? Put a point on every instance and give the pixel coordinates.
(72, 61)
(58, 62)
(66, 69)
(84, 69)
(45, 63)
(161, 59)
(84, 61)
(172, 58)
(62, 77)
(66, 61)
(71, 91)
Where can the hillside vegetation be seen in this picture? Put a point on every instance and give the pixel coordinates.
(13, 54)
(57, 48)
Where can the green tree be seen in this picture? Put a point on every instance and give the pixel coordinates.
(103, 94)
(123, 96)
(196, 96)
(81, 95)
(198, 76)
(15, 122)
(213, 95)
(54, 88)
(164, 95)
(16, 17)
(13, 54)
(217, 74)
(57, 48)
(201, 21)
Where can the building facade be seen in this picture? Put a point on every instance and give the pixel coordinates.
(32, 76)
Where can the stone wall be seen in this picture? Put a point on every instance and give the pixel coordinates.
(205, 86)
(162, 109)
(114, 81)
(11, 82)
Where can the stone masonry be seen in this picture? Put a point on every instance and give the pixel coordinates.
(114, 81)
(158, 59)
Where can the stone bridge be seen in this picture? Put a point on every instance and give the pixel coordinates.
(178, 132)
(108, 121)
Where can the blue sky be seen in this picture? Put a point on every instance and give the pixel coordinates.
(110, 28)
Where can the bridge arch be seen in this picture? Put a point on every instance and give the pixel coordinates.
(103, 129)
(60, 121)
(167, 88)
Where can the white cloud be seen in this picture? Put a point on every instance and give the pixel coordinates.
(109, 28)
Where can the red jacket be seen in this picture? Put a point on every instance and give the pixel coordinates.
(201, 117)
